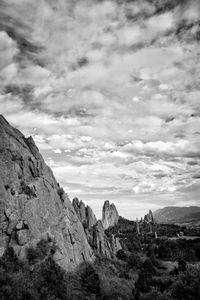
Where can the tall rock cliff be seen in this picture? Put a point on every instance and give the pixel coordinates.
(110, 215)
(33, 206)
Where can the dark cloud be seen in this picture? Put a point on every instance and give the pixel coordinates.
(196, 176)
(193, 163)
(160, 175)
(19, 33)
(25, 92)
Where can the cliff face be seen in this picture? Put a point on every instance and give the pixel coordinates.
(110, 215)
(33, 206)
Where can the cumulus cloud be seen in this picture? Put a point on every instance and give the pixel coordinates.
(110, 92)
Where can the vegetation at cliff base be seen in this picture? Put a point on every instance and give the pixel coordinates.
(132, 274)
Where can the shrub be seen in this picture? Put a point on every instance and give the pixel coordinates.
(149, 267)
(42, 249)
(134, 261)
(90, 280)
(61, 193)
(153, 295)
(121, 255)
(33, 255)
(142, 284)
(50, 280)
(27, 190)
(187, 285)
(182, 265)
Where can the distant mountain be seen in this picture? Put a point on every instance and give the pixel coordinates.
(179, 215)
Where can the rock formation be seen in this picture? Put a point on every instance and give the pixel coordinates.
(94, 231)
(110, 215)
(146, 224)
(137, 226)
(33, 206)
(99, 241)
(148, 218)
(85, 213)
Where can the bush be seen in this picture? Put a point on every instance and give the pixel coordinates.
(61, 193)
(134, 261)
(187, 286)
(182, 265)
(149, 267)
(50, 280)
(33, 255)
(121, 255)
(42, 249)
(197, 251)
(90, 280)
(142, 284)
(153, 295)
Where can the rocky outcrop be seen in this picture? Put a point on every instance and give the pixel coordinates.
(91, 218)
(137, 227)
(149, 221)
(99, 241)
(110, 215)
(148, 218)
(33, 206)
(95, 232)
(146, 224)
(85, 213)
(115, 244)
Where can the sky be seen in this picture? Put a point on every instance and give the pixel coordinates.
(110, 92)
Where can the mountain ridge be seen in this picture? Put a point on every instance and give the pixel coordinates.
(177, 214)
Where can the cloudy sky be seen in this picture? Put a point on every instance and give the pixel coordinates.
(110, 92)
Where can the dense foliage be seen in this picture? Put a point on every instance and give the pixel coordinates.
(145, 268)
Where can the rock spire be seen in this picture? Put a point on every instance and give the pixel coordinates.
(110, 215)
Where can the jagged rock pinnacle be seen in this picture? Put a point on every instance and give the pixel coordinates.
(110, 215)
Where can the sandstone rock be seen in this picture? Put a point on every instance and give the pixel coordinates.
(110, 215)
(148, 221)
(28, 192)
(115, 244)
(23, 237)
(94, 230)
(100, 242)
(91, 218)
(75, 204)
(85, 213)
(137, 227)
(151, 216)
(19, 225)
(148, 218)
